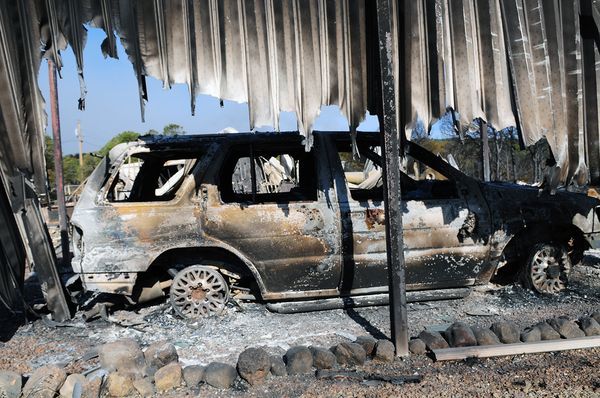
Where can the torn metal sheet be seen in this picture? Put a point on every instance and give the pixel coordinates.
(512, 62)
(45, 261)
(495, 85)
(12, 256)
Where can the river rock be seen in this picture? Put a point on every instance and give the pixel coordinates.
(547, 332)
(10, 384)
(220, 375)
(254, 365)
(322, 358)
(384, 351)
(168, 377)
(507, 332)
(92, 388)
(417, 347)
(485, 336)
(160, 354)
(368, 343)
(278, 366)
(120, 384)
(298, 360)
(460, 334)
(73, 386)
(44, 382)
(349, 354)
(566, 328)
(144, 387)
(193, 375)
(530, 335)
(590, 326)
(124, 355)
(433, 340)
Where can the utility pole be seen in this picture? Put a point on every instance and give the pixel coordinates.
(80, 138)
(58, 164)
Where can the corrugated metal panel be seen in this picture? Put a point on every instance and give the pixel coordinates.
(12, 257)
(505, 61)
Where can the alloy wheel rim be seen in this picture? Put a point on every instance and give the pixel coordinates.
(543, 273)
(199, 292)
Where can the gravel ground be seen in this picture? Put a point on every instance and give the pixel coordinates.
(574, 373)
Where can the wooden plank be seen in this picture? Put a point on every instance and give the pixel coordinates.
(516, 349)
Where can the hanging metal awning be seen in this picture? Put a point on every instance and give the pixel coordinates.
(527, 63)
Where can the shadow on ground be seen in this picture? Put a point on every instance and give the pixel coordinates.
(12, 319)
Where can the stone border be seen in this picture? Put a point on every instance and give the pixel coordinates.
(127, 371)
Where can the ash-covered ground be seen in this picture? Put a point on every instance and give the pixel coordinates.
(247, 324)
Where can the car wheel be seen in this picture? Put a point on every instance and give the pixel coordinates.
(547, 269)
(198, 291)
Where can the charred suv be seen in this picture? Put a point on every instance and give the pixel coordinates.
(201, 218)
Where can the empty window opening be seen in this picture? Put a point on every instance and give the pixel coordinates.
(146, 178)
(421, 181)
(268, 175)
(364, 175)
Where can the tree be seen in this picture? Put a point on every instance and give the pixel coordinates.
(125, 136)
(71, 170)
(173, 129)
(89, 164)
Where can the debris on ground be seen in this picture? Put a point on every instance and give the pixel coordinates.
(204, 356)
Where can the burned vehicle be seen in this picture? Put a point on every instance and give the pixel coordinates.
(200, 218)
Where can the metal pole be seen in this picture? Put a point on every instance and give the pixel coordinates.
(392, 193)
(80, 139)
(485, 150)
(58, 164)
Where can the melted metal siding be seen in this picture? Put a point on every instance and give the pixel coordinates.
(510, 62)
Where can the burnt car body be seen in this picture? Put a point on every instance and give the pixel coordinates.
(304, 225)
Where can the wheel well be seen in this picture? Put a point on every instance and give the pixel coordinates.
(215, 256)
(517, 250)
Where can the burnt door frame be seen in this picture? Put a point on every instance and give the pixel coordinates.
(349, 284)
(253, 226)
(371, 218)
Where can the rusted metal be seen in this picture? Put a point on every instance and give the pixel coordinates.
(293, 307)
(389, 122)
(375, 218)
(58, 164)
(45, 261)
(13, 259)
(589, 42)
(457, 231)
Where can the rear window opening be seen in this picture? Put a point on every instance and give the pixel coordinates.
(255, 175)
(143, 178)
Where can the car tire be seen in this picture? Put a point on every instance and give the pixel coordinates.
(198, 291)
(547, 269)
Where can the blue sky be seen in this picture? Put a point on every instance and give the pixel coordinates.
(112, 103)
